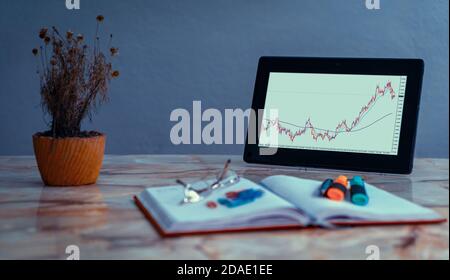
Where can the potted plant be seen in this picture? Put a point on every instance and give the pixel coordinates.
(74, 80)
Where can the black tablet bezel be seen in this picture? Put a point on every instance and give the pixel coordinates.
(402, 163)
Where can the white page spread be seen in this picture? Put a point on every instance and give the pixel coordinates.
(271, 210)
(382, 205)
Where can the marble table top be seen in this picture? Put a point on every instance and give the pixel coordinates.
(38, 222)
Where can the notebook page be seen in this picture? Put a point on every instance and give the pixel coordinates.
(382, 206)
(164, 205)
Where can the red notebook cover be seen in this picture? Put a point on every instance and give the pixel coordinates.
(267, 228)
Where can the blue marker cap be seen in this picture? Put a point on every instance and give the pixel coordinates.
(325, 185)
(358, 192)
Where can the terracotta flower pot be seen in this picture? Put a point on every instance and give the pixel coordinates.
(72, 161)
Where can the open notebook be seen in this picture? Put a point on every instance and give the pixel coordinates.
(287, 202)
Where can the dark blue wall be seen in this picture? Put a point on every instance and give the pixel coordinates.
(174, 52)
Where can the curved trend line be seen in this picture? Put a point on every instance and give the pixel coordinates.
(356, 130)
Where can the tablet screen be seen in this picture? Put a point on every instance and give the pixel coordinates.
(334, 112)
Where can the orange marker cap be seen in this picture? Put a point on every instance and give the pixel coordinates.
(342, 180)
(335, 194)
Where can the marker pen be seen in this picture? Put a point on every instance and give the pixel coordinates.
(325, 185)
(358, 192)
(338, 189)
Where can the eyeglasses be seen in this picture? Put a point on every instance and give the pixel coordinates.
(200, 190)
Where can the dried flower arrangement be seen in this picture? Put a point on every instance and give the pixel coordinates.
(74, 79)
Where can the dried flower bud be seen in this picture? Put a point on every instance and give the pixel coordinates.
(80, 37)
(69, 35)
(35, 51)
(114, 51)
(47, 40)
(100, 18)
(115, 74)
(43, 33)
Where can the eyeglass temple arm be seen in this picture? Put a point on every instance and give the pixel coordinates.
(225, 169)
(182, 183)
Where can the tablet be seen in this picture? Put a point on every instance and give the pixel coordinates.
(338, 113)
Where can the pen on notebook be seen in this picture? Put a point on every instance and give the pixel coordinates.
(338, 189)
(358, 192)
(325, 186)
